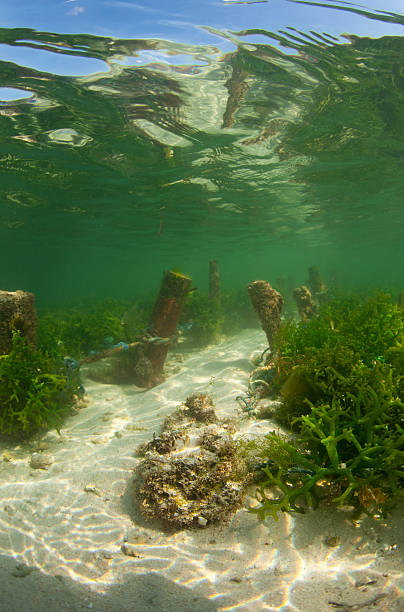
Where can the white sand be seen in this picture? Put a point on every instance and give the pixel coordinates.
(61, 547)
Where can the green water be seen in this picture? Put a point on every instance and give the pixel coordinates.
(285, 152)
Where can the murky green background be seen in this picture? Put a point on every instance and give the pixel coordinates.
(285, 152)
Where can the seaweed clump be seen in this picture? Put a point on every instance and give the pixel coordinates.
(36, 390)
(83, 329)
(340, 378)
(192, 474)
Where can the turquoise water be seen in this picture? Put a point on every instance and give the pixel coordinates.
(268, 149)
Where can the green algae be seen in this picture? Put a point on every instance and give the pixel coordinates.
(340, 378)
(36, 390)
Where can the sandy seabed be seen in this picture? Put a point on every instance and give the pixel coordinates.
(72, 539)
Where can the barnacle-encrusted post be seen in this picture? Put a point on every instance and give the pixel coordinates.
(164, 318)
(315, 281)
(305, 303)
(268, 304)
(17, 313)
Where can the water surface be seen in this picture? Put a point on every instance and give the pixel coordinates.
(266, 135)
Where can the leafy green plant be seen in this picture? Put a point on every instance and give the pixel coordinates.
(34, 390)
(206, 318)
(349, 456)
(367, 326)
(81, 330)
(341, 381)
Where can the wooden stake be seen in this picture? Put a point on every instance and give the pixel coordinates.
(164, 319)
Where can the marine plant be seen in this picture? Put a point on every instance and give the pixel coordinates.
(36, 390)
(340, 377)
(80, 330)
(346, 455)
(206, 318)
(366, 327)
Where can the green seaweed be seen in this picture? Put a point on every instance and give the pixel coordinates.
(206, 317)
(355, 455)
(80, 330)
(35, 390)
(341, 380)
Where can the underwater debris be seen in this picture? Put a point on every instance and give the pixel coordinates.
(268, 304)
(17, 313)
(305, 303)
(197, 485)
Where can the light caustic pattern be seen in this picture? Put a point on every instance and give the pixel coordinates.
(78, 519)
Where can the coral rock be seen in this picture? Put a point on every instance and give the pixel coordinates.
(190, 486)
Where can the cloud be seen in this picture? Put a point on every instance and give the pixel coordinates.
(77, 10)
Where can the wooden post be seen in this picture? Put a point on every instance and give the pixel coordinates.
(305, 303)
(214, 282)
(17, 313)
(268, 304)
(315, 281)
(164, 318)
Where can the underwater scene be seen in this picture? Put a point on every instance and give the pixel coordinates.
(201, 306)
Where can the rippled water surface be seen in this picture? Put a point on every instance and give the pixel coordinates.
(135, 137)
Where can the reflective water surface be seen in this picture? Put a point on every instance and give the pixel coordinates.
(267, 148)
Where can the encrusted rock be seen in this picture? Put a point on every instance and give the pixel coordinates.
(164, 443)
(179, 490)
(190, 486)
(217, 440)
(40, 461)
(196, 408)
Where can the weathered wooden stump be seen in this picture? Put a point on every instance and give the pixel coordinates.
(268, 304)
(163, 321)
(17, 313)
